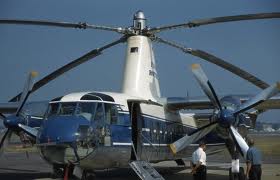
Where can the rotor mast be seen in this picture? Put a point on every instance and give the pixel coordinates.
(140, 76)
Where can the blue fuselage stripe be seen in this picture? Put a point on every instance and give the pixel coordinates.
(157, 131)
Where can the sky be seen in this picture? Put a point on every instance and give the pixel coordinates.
(252, 45)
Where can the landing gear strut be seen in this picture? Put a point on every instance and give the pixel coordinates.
(235, 172)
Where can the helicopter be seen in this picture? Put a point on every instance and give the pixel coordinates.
(86, 131)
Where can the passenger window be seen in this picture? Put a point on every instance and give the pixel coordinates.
(134, 50)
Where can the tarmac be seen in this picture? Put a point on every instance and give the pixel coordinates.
(16, 166)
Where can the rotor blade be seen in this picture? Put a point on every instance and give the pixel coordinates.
(26, 90)
(239, 141)
(80, 25)
(92, 54)
(205, 85)
(5, 140)
(223, 19)
(219, 62)
(192, 138)
(259, 98)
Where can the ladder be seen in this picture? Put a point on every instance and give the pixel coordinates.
(145, 171)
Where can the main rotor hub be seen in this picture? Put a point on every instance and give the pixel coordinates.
(139, 20)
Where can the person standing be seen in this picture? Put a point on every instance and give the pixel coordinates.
(198, 163)
(254, 161)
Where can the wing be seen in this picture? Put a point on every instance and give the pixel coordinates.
(200, 103)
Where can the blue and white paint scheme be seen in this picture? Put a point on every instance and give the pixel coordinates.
(100, 130)
(104, 137)
(127, 119)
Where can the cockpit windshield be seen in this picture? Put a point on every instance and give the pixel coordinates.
(86, 109)
(67, 108)
(92, 111)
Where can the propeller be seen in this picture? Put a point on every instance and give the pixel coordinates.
(227, 114)
(192, 137)
(218, 61)
(5, 140)
(200, 22)
(11, 122)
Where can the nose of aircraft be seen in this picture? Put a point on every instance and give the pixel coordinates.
(61, 129)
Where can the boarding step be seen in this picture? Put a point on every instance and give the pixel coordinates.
(145, 170)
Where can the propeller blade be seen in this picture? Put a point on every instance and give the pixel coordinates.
(191, 138)
(5, 140)
(259, 98)
(199, 22)
(219, 62)
(240, 143)
(92, 54)
(206, 85)
(80, 25)
(26, 90)
(29, 130)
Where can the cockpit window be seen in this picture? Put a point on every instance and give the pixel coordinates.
(96, 112)
(99, 115)
(53, 108)
(67, 108)
(111, 114)
(86, 109)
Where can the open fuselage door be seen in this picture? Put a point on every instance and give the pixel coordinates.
(136, 129)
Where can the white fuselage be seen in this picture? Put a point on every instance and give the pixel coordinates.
(140, 75)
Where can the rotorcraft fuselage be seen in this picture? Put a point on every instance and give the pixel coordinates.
(104, 129)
